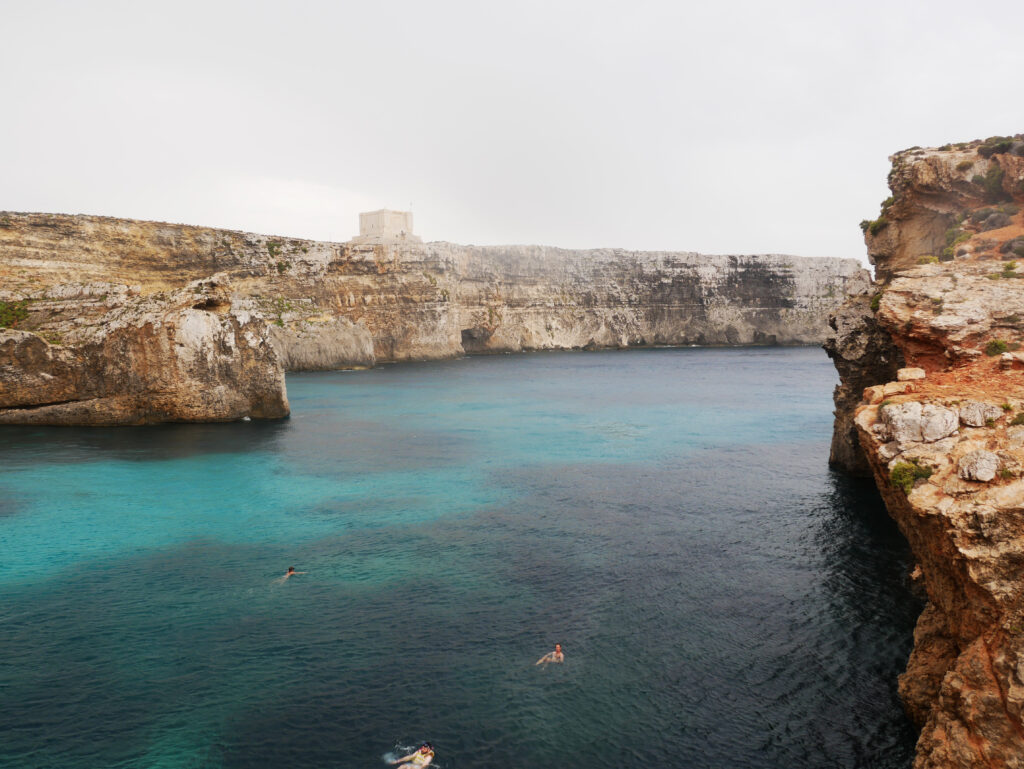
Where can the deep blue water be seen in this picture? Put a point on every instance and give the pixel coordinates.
(722, 598)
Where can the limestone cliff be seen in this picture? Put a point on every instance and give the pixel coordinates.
(120, 358)
(944, 437)
(333, 305)
(423, 301)
(512, 298)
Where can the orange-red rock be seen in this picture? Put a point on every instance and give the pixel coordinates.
(950, 300)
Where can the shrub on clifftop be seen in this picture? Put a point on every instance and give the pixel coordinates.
(905, 474)
(995, 145)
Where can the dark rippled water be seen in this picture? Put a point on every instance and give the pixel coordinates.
(722, 598)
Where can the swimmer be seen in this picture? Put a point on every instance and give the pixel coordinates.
(555, 656)
(421, 757)
(290, 573)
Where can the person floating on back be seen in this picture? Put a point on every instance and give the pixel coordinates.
(555, 656)
(421, 757)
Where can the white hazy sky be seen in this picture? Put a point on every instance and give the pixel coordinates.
(729, 127)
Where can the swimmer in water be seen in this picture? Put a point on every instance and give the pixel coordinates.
(421, 757)
(555, 656)
(290, 573)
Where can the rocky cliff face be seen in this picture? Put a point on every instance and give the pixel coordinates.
(112, 357)
(535, 298)
(301, 304)
(944, 437)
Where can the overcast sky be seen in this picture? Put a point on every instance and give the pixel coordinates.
(739, 127)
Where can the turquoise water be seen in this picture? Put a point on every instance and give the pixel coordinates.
(667, 515)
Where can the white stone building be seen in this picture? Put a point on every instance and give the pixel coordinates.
(385, 226)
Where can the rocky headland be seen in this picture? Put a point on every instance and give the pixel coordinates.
(931, 403)
(113, 321)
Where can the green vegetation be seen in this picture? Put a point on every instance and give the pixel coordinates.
(955, 235)
(991, 182)
(283, 267)
(1014, 247)
(273, 248)
(874, 226)
(12, 313)
(878, 225)
(963, 165)
(1018, 420)
(876, 301)
(905, 474)
(1006, 474)
(999, 346)
(981, 214)
(1009, 271)
(995, 145)
(1006, 407)
(281, 306)
(927, 259)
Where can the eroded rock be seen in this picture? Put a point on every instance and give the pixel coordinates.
(185, 356)
(957, 319)
(915, 422)
(910, 374)
(978, 414)
(978, 465)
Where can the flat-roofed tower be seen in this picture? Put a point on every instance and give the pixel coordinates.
(386, 226)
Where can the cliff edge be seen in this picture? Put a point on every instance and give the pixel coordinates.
(932, 404)
(77, 284)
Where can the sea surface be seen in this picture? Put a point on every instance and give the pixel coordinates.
(668, 516)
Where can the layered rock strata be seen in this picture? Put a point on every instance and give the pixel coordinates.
(181, 356)
(944, 437)
(336, 305)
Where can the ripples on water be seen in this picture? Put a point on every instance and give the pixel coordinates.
(723, 600)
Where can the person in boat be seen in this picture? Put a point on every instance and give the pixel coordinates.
(419, 758)
(555, 656)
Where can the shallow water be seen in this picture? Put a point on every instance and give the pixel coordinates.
(723, 600)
